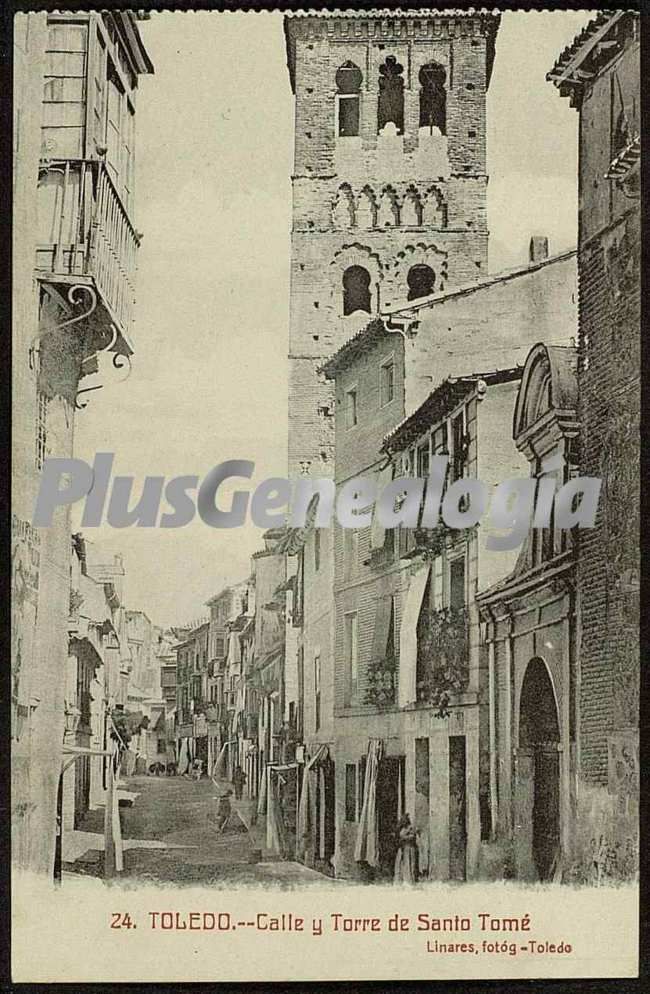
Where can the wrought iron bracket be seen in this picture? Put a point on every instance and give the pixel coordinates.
(119, 361)
(73, 300)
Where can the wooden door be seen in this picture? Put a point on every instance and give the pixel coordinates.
(457, 808)
(524, 799)
(389, 804)
(546, 810)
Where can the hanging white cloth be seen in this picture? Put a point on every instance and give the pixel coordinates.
(183, 756)
(219, 768)
(367, 843)
(400, 789)
(115, 819)
(275, 829)
(377, 530)
(261, 800)
(408, 637)
(305, 829)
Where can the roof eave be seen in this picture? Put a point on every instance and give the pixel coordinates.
(129, 26)
(569, 74)
(401, 436)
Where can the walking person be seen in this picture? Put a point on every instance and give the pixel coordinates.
(406, 860)
(238, 780)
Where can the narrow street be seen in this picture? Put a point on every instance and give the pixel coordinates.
(170, 836)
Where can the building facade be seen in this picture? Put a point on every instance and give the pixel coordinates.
(600, 74)
(226, 609)
(192, 697)
(404, 599)
(74, 251)
(382, 374)
(530, 635)
(94, 683)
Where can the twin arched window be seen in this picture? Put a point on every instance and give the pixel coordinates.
(357, 295)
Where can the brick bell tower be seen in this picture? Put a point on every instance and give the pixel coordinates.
(389, 184)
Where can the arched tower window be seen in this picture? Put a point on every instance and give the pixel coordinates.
(348, 85)
(433, 97)
(421, 281)
(356, 290)
(391, 95)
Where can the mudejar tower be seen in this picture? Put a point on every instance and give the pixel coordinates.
(389, 184)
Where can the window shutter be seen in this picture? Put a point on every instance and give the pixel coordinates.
(408, 642)
(377, 531)
(437, 584)
(383, 616)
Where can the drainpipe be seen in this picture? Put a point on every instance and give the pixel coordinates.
(406, 327)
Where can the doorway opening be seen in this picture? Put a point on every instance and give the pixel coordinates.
(457, 808)
(390, 801)
(539, 767)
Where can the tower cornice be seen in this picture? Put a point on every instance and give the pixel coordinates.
(391, 25)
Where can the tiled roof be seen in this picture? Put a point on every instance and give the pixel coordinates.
(440, 401)
(387, 12)
(581, 39)
(355, 346)
(598, 43)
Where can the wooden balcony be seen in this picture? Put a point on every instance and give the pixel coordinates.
(86, 238)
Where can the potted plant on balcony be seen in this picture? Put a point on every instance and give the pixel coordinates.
(431, 540)
(443, 657)
(380, 687)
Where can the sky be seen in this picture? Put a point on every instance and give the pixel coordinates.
(209, 373)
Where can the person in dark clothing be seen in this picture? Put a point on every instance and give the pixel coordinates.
(224, 811)
(238, 781)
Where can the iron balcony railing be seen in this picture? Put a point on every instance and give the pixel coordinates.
(85, 231)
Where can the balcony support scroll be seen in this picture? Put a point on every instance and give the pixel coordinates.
(73, 293)
(119, 361)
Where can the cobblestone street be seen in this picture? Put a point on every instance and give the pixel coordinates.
(179, 813)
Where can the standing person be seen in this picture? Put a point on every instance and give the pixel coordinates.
(406, 860)
(197, 769)
(238, 780)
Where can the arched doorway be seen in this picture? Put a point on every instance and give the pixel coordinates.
(538, 773)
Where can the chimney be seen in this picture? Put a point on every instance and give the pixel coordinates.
(538, 248)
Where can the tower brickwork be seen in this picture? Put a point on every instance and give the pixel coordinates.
(389, 184)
